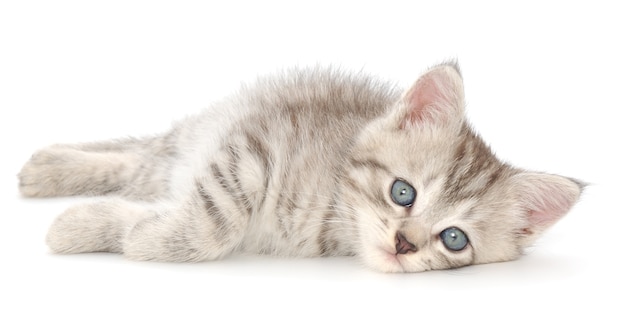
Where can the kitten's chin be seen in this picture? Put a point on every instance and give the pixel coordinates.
(388, 261)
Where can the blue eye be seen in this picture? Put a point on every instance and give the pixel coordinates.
(454, 239)
(402, 193)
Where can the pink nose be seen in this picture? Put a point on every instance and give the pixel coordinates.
(403, 245)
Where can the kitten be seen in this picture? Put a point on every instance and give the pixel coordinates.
(311, 163)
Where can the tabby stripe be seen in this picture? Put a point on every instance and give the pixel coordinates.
(327, 245)
(322, 238)
(233, 163)
(279, 214)
(262, 152)
(494, 176)
(375, 195)
(472, 159)
(285, 208)
(257, 147)
(446, 261)
(370, 163)
(219, 176)
(454, 263)
(290, 208)
(220, 220)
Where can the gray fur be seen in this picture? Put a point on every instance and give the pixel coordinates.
(301, 164)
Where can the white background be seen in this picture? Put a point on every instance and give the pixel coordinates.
(544, 84)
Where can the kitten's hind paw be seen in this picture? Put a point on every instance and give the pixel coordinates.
(40, 176)
(63, 171)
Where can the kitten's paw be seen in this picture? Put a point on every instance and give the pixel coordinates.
(42, 174)
(85, 228)
(67, 232)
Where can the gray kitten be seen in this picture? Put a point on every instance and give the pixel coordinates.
(312, 163)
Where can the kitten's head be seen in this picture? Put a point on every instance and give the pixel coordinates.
(427, 193)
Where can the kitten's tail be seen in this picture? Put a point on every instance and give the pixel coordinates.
(134, 168)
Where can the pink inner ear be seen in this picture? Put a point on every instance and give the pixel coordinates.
(548, 199)
(542, 218)
(421, 100)
(434, 98)
(551, 210)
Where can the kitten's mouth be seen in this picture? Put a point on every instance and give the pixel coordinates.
(391, 257)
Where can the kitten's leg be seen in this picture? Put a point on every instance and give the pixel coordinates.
(193, 230)
(132, 168)
(198, 229)
(64, 172)
(93, 227)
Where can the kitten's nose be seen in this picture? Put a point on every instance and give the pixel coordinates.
(403, 245)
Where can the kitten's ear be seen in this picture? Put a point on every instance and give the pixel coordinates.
(436, 98)
(543, 199)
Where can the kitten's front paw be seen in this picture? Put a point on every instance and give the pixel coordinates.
(42, 174)
(75, 231)
(62, 235)
(87, 227)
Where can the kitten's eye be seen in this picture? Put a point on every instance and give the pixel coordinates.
(402, 193)
(454, 239)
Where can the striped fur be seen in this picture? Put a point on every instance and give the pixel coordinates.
(301, 165)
